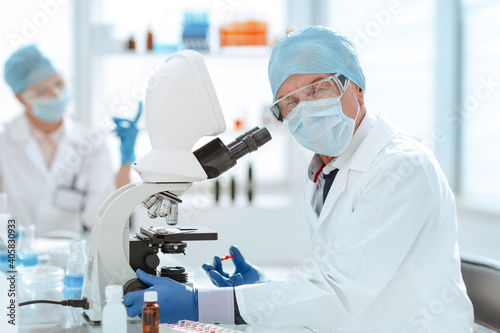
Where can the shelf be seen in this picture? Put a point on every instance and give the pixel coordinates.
(224, 52)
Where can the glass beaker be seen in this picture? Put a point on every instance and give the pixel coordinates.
(75, 269)
(27, 255)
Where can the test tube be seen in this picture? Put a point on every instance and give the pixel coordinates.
(229, 256)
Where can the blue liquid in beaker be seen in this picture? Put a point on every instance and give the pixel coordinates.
(27, 259)
(73, 286)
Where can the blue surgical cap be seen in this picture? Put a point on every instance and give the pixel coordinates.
(26, 67)
(314, 50)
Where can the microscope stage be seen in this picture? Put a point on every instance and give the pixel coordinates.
(178, 234)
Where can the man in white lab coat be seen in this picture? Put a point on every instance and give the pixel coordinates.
(381, 215)
(55, 172)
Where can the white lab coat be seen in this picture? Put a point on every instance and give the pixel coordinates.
(32, 187)
(385, 256)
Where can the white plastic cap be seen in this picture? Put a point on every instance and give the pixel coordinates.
(150, 296)
(113, 292)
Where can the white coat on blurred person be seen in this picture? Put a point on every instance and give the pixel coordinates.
(55, 172)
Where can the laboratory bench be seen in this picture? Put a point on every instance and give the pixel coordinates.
(45, 318)
(135, 326)
(48, 318)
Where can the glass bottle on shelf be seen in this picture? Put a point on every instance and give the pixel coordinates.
(75, 269)
(130, 45)
(149, 40)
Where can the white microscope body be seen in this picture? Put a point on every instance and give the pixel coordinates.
(181, 107)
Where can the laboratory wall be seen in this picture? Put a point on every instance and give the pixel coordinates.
(430, 65)
(46, 23)
(480, 106)
(265, 225)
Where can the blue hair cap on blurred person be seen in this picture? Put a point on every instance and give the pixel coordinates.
(312, 50)
(26, 67)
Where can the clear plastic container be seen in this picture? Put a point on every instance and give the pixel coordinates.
(42, 283)
(114, 315)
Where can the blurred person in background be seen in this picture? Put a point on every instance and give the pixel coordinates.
(56, 172)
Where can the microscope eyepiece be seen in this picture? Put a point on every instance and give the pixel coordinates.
(216, 158)
(249, 142)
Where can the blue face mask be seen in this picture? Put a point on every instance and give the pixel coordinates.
(321, 126)
(51, 109)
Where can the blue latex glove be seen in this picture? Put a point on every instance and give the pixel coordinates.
(244, 273)
(127, 132)
(176, 301)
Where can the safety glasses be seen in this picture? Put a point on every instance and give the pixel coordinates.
(50, 87)
(333, 86)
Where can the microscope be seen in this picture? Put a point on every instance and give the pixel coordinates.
(181, 107)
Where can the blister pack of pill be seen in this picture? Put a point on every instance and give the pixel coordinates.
(193, 326)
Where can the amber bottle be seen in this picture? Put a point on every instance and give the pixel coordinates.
(151, 313)
(149, 42)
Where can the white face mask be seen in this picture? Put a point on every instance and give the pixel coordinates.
(51, 109)
(321, 126)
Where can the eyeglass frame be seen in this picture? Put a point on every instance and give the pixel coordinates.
(340, 79)
(54, 85)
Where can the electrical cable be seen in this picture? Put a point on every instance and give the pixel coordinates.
(40, 301)
(75, 302)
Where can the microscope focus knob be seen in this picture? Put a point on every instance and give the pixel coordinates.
(134, 285)
(152, 261)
